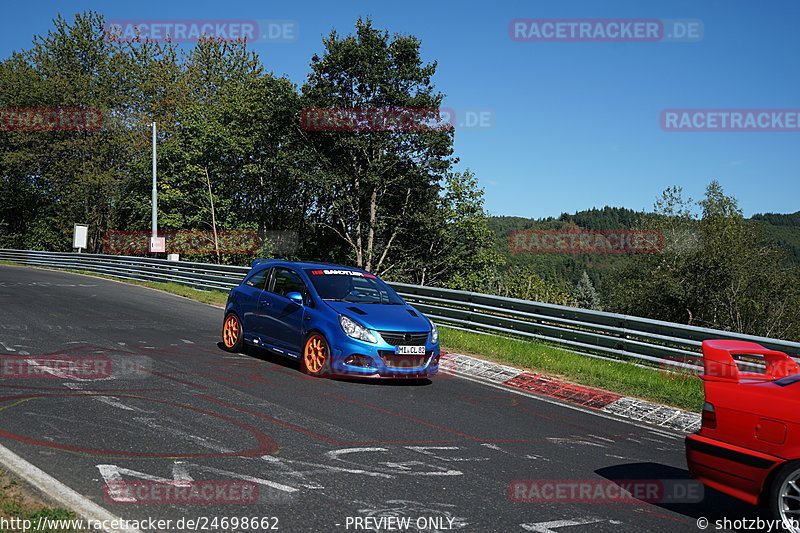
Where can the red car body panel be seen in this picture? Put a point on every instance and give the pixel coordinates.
(751, 423)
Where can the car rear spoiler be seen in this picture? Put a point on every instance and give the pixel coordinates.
(720, 365)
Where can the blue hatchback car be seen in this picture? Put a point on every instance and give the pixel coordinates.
(336, 320)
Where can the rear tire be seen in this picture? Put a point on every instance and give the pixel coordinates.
(232, 333)
(784, 496)
(316, 357)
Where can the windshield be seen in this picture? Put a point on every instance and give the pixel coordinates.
(352, 286)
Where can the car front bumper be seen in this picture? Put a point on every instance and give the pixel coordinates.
(355, 358)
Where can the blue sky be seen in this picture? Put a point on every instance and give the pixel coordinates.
(575, 124)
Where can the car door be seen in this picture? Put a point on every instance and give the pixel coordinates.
(251, 292)
(284, 317)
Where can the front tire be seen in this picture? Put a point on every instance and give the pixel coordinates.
(232, 333)
(784, 496)
(316, 358)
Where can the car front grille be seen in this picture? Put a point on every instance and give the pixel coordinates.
(402, 338)
(404, 362)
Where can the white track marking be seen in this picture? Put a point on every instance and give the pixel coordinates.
(152, 423)
(318, 468)
(113, 473)
(567, 440)
(429, 450)
(113, 401)
(397, 467)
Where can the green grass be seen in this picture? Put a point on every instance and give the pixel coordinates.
(656, 385)
(17, 503)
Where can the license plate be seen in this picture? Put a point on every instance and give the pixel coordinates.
(410, 350)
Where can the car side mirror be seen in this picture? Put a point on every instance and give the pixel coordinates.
(296, 297)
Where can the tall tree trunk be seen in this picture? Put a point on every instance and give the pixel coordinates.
(213, 213)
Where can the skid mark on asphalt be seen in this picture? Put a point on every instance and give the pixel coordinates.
(406, 417)
(212, 376)
(264, 443)
(171, 429)
(99, 424)
(310, 433)
(551, 526)
(578, 440)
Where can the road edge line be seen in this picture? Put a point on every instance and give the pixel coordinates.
(60, 493)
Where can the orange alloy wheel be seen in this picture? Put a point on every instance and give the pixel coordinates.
(315, 354)
(230, 331)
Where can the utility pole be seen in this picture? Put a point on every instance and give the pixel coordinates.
(154, 219)
(156, 244)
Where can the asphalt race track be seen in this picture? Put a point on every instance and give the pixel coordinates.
(318, 455)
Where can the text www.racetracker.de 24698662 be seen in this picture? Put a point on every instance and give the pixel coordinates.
(195, 523)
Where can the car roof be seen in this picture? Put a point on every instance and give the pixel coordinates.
(302, 264)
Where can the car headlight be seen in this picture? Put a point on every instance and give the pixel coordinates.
(434, 333)
(356, 330)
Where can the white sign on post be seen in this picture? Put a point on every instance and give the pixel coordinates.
(80, 237)
(158, 244)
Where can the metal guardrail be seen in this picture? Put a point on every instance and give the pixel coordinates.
(593, 333)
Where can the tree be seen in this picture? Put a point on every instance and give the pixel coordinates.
(525, 283)
(369, 183)
(586, 295)
(62, 177)
(451, 246)
(718, 271)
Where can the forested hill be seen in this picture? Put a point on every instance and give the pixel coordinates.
(783, 228)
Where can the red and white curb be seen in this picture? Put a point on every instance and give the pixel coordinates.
(602, 400)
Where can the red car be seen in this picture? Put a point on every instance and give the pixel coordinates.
(748, 445)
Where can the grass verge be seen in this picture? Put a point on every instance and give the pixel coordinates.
(18, 505)
(655, 385)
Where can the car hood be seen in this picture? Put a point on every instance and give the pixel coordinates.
(383, 317)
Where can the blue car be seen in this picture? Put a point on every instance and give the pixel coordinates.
(336, 320)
